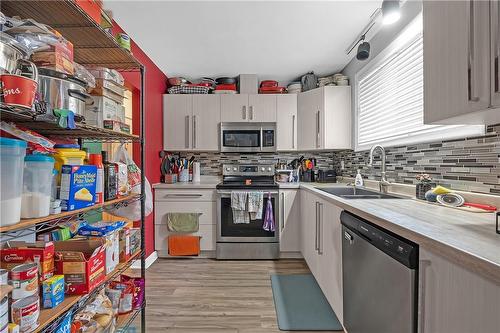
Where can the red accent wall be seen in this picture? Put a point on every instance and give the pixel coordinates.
(155, 87)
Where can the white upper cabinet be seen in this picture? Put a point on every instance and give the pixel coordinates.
(248, 108)
(234, 108)
(459, 65)
(324, 118)
(177, 123)
(286, 122)
(206, 119)
(262, 108)
(191, 122)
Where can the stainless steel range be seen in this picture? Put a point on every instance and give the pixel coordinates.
(246, 240)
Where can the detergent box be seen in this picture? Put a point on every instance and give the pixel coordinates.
(78, 185)
(53, 291)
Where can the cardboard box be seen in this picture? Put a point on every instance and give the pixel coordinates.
(111, 249)
(15, 253)
(248, 84)
(78, 185)
(109, 89)
(124, 245)
(92, 8)
(104, 108)
(53, 60)
(53, 291)
(82, 262)
(116, 126)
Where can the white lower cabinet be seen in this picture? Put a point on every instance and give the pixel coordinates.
(185, 201)
(322, 246)
(455, 300)
(289, 221)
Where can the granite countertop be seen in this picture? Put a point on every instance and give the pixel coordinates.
(466, 238)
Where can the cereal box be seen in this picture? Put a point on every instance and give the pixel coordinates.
(78, 185)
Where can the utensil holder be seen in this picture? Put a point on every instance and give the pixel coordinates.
(170, 178)
(422, 188)
(184, 176)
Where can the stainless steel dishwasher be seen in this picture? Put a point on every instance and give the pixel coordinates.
(380, 272)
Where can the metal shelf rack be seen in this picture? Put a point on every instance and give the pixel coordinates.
(92, 46)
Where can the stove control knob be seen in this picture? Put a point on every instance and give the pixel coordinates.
(228, 169)
(269, 169)
(262, 169)
(235, 169)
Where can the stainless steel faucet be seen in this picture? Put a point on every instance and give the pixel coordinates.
(383, 184)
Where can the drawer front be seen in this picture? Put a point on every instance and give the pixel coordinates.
(184, 195)
(207, 241)
(206, 209)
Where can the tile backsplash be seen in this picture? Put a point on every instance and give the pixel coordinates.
(211, 162)
(469, 164)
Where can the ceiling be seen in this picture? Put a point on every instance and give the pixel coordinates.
(278, 40)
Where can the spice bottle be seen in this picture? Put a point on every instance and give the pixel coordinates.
(96, 159)
(110, 178)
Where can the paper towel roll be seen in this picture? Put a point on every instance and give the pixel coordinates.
(196, 172)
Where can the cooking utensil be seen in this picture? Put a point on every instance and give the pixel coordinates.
(177, 81)
(19, 90)
(480, 206)
(62, 91)
(450, 199)
(225, 80)
(10, 54)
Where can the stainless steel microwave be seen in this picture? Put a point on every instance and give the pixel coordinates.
(247, 137)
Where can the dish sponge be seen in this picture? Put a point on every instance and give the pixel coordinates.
(440, 190)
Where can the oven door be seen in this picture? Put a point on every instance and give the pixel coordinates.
(228, 231)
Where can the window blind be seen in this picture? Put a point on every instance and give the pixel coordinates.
(391, 102)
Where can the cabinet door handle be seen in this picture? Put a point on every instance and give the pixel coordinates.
(293, 131)
(316, 240)
(317, 129)
(423, 265)
(183, 195)
(471, 55)
(495, 35)
(194, 131)
(187, 132)
(244, 112)
(251, 112)
(320, 229)
(282, 211)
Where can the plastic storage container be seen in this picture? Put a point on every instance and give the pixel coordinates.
(12, 154)
(67, 154)
(37, 186)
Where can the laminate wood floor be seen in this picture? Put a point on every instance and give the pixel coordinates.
(208, 296)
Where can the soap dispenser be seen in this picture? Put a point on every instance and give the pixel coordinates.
(358, 181)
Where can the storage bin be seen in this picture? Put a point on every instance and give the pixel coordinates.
(69, 154)
(37, 186)
(12, 153)
(183, 245)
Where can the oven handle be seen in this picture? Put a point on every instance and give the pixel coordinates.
(229, 192)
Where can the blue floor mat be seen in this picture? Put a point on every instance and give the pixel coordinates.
(300, 304)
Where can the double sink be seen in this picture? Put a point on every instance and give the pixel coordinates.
(357, 193)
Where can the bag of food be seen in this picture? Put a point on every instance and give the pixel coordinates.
(132, 211)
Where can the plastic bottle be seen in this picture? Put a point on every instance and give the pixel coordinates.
(96, 159)
(358, 181)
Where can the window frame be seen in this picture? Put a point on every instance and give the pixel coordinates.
(411, 33)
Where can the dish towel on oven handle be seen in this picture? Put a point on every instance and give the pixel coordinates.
(269, 224)
(239, 207)
(255, 205)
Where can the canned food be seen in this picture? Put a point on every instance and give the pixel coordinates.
(4, 276)
(24, 279)
(25, 313)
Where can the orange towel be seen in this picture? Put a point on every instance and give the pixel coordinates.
(183, 245)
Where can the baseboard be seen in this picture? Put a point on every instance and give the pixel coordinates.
(149, 261)
(203, 255)
(291, 255)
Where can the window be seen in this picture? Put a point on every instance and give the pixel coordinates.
(390, 97)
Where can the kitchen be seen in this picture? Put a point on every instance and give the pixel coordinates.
(347, 182)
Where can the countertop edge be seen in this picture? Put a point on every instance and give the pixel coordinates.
(473, 262)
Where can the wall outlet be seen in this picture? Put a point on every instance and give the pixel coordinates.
(342, 165)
